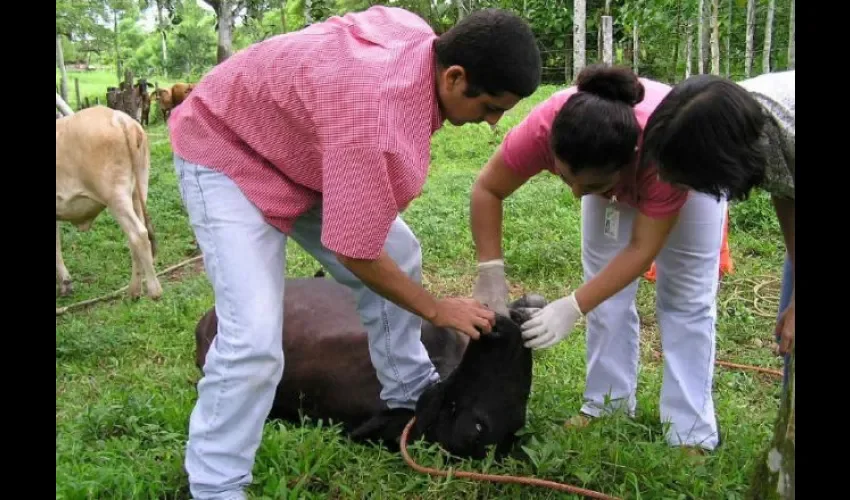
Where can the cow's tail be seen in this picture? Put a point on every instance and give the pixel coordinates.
(139, 147)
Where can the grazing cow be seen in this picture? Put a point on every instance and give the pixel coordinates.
(168, 99)
(480, 401)
(103, 161)
(180, 91)
(163, 101)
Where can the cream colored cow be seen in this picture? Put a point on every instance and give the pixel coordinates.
(103, 161)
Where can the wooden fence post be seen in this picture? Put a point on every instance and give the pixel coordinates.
(77, 89)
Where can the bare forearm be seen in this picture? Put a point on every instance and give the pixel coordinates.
(486, 223)
(386, 279)
(626, 267)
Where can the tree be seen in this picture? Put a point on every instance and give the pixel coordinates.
(774, 476)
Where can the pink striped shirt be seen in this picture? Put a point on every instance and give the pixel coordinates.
(526, 151)
(341, 112)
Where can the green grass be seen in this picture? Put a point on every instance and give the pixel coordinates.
(125, 370)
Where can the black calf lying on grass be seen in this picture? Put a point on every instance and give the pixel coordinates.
(480, 401)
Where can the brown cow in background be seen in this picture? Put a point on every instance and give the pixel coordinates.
(168, 99)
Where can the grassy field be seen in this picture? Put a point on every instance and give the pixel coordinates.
(125, 371)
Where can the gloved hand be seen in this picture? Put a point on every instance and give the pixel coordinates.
(491, 287)
(551, 324)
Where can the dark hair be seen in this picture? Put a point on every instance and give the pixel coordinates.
(498, 51)
(597, 128)
(707, 134)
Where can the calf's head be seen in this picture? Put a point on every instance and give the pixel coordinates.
(482, 403)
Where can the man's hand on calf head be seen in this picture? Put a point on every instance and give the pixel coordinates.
(464, 315)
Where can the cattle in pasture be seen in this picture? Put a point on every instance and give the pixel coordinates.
(169, 98)
(103, 161)
(140, 91)
(480, 400)
(180, 91)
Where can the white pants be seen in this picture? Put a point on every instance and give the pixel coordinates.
(686, 290)
(245, 260)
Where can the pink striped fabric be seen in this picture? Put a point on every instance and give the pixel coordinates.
(340, 112)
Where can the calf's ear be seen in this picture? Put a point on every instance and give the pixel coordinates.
(428, 407)
(529, 300)
(386, 426)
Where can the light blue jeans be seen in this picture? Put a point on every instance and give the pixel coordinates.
(784, 300)
(245, 261)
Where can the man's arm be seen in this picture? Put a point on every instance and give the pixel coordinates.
(385, 278)
(359, 204)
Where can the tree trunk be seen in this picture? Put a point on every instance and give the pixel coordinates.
(715, 37)
(225, 30)
(729, 41)
(283, 16)
(117, 52)
(60, 63)
(768, 35)
(677, 37)
(792, 35)
(162, 36)
(704, 33)
(635, 48)
(774, 477)
(579, 35)
(751, 28)
(63, 106)
(689, 48)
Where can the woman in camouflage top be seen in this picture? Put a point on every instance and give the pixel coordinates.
(724, 138)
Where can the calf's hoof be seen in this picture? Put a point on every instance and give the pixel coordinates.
(155, 291)
(66, 288)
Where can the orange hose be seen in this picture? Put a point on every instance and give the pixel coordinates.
(531, 481)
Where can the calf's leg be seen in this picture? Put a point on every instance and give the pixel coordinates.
(400, 359)
(66, 287)
(140, 247)
(245, 261)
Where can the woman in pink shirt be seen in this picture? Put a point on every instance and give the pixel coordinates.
(589, 135)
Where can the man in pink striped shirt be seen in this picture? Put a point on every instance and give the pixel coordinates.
(323, 135)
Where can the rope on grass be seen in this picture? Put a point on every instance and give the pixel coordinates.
(494, 478)
(118, 293)
(764, 304)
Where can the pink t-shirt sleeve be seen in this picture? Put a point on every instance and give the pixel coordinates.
(658, 199)
(525, 148)
(359, 204)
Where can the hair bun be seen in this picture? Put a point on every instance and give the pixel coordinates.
(617, 83)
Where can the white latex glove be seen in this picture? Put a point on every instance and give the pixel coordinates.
(491, 287)
(551, 324)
